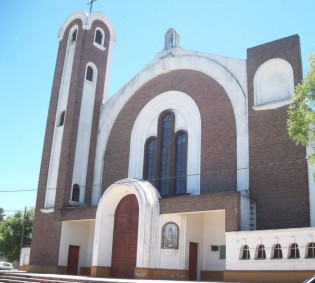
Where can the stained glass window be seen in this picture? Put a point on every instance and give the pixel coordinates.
(150, 160)
(165, 157)
(181, 163)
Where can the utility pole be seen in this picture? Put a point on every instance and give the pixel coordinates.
(22, 234)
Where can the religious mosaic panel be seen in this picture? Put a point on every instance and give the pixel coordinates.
(170, 235)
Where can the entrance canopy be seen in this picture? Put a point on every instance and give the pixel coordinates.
(148, 200)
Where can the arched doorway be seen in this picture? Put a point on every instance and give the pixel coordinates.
(125, 237)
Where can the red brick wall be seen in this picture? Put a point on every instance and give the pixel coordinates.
(278, 174)
(218, 140)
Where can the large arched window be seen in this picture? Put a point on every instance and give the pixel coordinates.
(165, 163)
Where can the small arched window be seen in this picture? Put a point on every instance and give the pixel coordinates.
(62, 119)
(89, 74)
(277, 252)
(99, 38)
(75, 193)
(74, 36)
(245, 252)
(261, 253)
(294, 251)
(171, 39)
(311, 250)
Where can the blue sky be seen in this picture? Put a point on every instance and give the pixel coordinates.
(29, 49)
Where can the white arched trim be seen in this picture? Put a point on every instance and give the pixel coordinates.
(84, 132)
(148, 200)
(87, 21)
(187, 117)
(229, 73)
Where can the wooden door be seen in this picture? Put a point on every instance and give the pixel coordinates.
(73, 260)
(124, 255)
(193, 260)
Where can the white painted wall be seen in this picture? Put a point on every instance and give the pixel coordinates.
(77, 233)
(58, 131)
(284, 237)
(195, 234)
(25, 256)
(214, 234)
(204, 228)
(311, 185)
(84, 134)
(172, 258)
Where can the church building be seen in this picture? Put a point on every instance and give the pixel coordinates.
(186, 173)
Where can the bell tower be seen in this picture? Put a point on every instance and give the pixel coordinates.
(80, 86)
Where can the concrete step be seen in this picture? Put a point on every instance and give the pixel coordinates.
(35, 278)
(21, 280)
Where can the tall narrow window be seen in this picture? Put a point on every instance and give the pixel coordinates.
(74, 36)
(261, 253)
(181, 163)
(277, 252)
(98, 37)
(150, 160)
(89, 74)
(311, 250)
(165, 158)
(245, 252)
(62, 119)
(75, 193)
(294, 251)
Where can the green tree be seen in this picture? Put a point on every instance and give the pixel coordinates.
(301, 115)
(10, 233)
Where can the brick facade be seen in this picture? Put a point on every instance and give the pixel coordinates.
(278, 170)
(218, 140)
